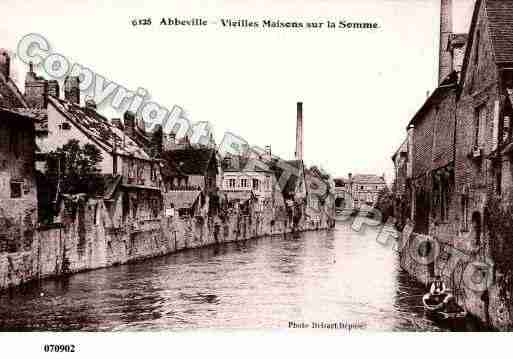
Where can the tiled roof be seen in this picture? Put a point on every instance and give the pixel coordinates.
(366, 178)
(181, 199)
(242, 164)
(295, 178)
(98, 129)
(18, 112)
(239, 195)
(500, 20)
(10, 95)
(190, 161)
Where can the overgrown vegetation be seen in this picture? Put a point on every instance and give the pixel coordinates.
(70, 169)
(499, 223)
(385, 203)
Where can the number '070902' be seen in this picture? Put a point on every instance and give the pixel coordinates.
(59, 348)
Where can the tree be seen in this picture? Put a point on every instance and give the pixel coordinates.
(385, 203)
(156, 146)
(74, 168)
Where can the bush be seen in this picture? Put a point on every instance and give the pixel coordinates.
(385, 203)
(499, 224)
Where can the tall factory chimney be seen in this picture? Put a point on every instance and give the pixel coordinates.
(445, 57)
(299, 132)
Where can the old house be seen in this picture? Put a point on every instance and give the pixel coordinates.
(18, 192)
(425, 163)
(483, 156)
(401, 185)
(132, 177)
(364, 189)
(190, 176)
(320, 204)
(240, 176)
(432, 182)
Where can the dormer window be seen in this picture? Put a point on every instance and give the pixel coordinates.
(65, 126)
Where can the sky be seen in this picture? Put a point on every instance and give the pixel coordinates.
(359, 88)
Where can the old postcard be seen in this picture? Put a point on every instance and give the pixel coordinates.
(315, 167)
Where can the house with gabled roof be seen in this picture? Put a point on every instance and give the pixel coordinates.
(189, 179)
(484, 152)
(244, 178)
(18, 190)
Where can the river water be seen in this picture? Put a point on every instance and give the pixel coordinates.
(337, 276)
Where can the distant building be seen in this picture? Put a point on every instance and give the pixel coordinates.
(190, 178)
(402, 159)
(241, 177)
(359, 189)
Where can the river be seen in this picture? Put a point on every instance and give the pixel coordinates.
(338, 276)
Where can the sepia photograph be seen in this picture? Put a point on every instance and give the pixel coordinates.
(312, 167)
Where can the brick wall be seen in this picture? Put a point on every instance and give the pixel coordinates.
(445, 119)
(423, 143)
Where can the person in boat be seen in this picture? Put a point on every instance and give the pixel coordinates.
(438, 287)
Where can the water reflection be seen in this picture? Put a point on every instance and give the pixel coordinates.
(327, 277)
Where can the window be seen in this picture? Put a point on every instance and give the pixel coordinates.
(479, 126)
(210, 182)
(65, 126)
(476, 228)
(444, 202)
(498, 179)
(506, 129)
(476, 52)
(361, 187)
(231, 183)
(464, 213)
(16, 189)
(255, 184)
(153, 173)
(244, 183)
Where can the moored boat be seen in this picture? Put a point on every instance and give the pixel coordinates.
(443, 306)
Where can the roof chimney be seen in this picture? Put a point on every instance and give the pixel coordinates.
(36, 89)
(54, 89)
(169, 142)
(90, 107)
(71, 89)
(445, 57)
(116, 122)
(129, 119)
(5, 63)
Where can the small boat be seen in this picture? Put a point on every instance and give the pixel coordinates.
(443, 306)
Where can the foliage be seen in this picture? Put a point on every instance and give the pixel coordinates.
(156, 142)
(75, 168)
(70, 169)
(499, 219)
(385, 203)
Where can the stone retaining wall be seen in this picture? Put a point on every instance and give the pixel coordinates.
(457, 263)
(84, 244)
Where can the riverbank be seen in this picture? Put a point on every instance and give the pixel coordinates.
(465, 271)
(259, 283)
(86, 241)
